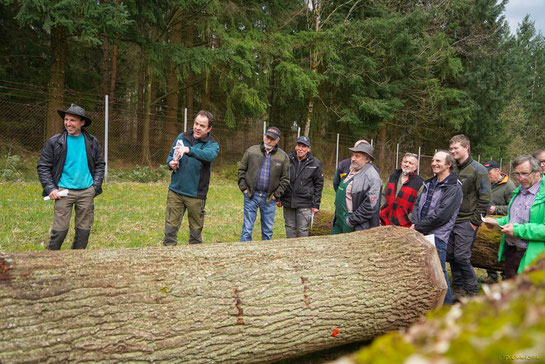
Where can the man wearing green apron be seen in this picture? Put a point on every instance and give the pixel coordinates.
(357, 197)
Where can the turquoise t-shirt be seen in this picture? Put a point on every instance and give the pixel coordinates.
(75, 174)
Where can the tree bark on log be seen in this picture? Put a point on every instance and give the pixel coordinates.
(230, 302)
(502, 325)
(484, 254)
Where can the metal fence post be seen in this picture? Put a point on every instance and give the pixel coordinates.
(264, 127)
(298, 132)
(419, 151)
(106, 138)
(185, 119)
(397, 156)
(337, 153)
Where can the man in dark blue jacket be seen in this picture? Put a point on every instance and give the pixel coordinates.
(437, 206)
(71, 169)
(190, 161)
(301, 200)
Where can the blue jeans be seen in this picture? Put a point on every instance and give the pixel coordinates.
(251, 205)
(441, 248)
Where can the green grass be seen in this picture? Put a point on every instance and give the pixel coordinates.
(128, 214)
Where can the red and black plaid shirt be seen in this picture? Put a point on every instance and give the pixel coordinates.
(397, 208)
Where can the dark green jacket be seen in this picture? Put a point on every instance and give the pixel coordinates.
(502, 192)
(192, 178)
(476, 189)
(250, 165)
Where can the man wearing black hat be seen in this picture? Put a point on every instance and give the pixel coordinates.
(301, 200)
(502, 192)
(357, 199)
(263, 176)
(71, 170)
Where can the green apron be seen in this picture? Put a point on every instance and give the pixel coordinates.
(341, 210)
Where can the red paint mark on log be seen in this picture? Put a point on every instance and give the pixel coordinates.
(306, 296)
(240, 312)
(335, 332)
(5, 275)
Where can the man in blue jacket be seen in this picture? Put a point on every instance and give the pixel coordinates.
(437, 206)
(190, 161)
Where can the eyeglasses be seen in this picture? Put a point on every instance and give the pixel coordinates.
(542, 162)
(521, 175)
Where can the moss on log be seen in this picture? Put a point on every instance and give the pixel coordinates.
(238, 302)
(505, 324)
(484, 254)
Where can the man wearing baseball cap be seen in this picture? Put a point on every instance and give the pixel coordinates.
(302, 197)
(72, 162)
(263, 176)
(357, 199)
(502, 192)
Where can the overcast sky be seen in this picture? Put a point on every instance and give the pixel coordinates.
(515, 11)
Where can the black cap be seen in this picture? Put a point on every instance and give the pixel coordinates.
(491, 165)
(303, 140)
(273, 131)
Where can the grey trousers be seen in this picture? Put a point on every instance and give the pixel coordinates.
(297, 221)
(459, 248)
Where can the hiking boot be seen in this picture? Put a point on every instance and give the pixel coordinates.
(487, 280)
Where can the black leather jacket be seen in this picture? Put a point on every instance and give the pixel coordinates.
(51, 162)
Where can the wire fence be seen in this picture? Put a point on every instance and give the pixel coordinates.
(23, 119)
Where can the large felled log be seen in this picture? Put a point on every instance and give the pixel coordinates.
(484, 254)
(503, 325)
(231, 302)
(485, 250)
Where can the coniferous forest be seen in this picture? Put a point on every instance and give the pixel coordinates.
(415, 72)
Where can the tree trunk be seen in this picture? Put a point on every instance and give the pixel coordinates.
(106, 67)
(146, 118)
(56, 82)
(485, 250)
(382, 147)
(113, 80)
(171, 122)
(503, 325)
(484, 254)
(230, 302)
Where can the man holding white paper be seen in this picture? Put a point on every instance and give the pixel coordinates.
(71, 165)
(190, 160)
(524, 225)
(437, 206)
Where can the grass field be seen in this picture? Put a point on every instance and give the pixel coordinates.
(127, 214)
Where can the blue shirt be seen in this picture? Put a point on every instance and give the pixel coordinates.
(75, 173)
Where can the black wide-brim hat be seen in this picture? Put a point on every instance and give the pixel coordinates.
(75, 110)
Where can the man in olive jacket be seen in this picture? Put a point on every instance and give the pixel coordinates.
(476, 190)
(263, 176)
(71, 162)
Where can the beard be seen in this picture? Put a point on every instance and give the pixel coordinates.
(355, 166)
(406, 171)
